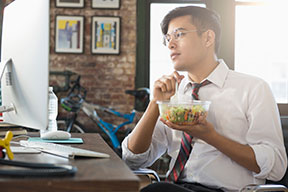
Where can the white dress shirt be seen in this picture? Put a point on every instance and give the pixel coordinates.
(242, 109)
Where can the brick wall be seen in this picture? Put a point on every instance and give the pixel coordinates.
(106, 77)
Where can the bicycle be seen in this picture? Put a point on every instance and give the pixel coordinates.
(75, 101)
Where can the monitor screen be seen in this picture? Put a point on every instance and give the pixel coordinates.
(25, 42)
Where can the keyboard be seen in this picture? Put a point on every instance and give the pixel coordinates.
(62, 150)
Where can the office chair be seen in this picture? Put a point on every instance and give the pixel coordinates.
(284, 180)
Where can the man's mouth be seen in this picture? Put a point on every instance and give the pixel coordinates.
(174, 55)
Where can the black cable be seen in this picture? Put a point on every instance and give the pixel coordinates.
(36, 169)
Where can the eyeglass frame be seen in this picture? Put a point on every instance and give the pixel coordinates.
(174, 33)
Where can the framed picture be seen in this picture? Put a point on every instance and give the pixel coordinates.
(69, 34)
(105, 35)
(70, 3)
(110, 4)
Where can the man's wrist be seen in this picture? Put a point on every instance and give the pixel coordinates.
(212, 137)
(153, 101)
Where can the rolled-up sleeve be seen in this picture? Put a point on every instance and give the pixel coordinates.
(265, 134)
(157, 148)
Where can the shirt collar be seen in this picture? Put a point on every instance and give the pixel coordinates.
(217, 76)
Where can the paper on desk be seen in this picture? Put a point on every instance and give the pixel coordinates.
(22, 150)
(71, 140)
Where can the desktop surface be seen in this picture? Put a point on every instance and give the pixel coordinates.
(94, 174)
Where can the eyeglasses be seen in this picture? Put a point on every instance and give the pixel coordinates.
(177, 34)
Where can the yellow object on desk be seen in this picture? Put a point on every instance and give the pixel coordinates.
(6, 144)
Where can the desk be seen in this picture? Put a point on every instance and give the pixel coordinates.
(93, 174)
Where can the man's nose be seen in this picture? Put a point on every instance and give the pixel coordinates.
(172, 44)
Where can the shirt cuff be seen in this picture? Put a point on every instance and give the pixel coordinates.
(134, 161)
(265, 158)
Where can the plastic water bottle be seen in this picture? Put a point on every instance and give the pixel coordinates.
(52, 110)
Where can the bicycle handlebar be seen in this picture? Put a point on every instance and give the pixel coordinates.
(75, 98)
(140, 93)
(67, 75)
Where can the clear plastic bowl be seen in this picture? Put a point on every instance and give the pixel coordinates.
(184, 112)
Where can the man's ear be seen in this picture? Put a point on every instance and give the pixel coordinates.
(210, 38)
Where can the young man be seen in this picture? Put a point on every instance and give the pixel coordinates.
(240, 142)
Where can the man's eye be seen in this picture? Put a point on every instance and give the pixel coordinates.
(168, 38)
(179, 34)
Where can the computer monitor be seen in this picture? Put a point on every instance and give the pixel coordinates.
(25, 53)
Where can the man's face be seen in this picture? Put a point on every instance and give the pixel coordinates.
(188, 48)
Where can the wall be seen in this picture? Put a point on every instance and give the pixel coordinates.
(106, 77)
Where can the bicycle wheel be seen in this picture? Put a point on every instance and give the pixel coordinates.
(76, 127)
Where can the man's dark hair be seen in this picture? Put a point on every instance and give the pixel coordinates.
(203, 19)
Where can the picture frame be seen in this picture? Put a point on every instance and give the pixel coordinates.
(70, 3)
(105, 37)
(106, 4)
(69, 34)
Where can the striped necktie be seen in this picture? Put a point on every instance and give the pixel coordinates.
(186, 141)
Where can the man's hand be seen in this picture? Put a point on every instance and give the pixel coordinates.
(141, 137)
(164, 88)
(200, 128)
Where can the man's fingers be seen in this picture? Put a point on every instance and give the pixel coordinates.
(202, 119)
(178, 76)
(173, 85)
(166, 83)
(169, 82)
(173, 125)
(159, 85)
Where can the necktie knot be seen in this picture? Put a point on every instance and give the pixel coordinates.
(196, 87)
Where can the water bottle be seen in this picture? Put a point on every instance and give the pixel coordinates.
(52, 110)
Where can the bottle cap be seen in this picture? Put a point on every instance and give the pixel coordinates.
(50, 88)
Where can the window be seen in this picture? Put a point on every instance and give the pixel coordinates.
(261, 44)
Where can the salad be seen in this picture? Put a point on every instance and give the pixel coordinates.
(181, 113)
